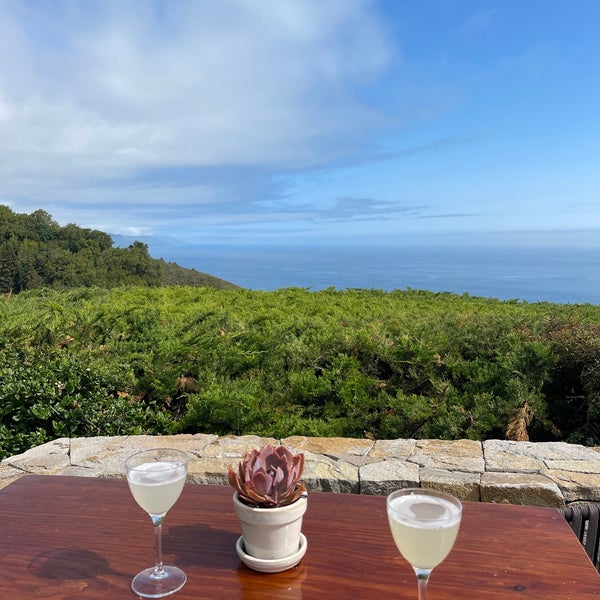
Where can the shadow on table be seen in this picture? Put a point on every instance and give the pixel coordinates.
(201, 545)
(70, 563)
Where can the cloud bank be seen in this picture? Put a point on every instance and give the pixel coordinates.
(151, 103)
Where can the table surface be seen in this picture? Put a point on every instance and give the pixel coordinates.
(85, 538)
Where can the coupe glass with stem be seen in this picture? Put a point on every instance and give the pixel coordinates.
(424, 525)
(156, 478)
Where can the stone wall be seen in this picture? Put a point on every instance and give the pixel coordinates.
(545, 474)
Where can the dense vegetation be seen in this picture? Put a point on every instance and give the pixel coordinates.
(37, 252)
(332, 363)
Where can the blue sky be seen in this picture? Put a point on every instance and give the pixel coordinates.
(292, 121)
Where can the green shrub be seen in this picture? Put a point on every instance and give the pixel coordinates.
(573, 391)
(348, 363)
(55, 393)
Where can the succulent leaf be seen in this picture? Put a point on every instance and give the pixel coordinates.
(269, 477)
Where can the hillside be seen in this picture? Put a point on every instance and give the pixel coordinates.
(174, 274)
(36, 252)
(354, 364)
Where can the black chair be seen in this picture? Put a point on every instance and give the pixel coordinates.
(584, 520)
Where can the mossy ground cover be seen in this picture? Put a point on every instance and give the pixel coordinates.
(350, 363)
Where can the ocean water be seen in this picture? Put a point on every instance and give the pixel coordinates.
(532, 274)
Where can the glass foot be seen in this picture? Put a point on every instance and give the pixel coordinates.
(151, 583)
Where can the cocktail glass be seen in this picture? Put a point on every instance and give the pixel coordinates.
(156, 478)
(424, 525)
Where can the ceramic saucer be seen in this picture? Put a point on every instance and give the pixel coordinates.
(274, 565)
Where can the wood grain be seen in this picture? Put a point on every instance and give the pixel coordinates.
(85, 538)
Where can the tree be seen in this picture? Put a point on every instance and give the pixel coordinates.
(136, 261)
(28, 277)
(8, 223)
(40, 226)
(35, 251)
(8, 266)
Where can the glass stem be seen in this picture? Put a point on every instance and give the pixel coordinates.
(422, 580)
(157, 521)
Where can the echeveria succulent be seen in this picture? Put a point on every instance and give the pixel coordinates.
(269, 477)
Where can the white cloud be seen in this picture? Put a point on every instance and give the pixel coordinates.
(99, 89)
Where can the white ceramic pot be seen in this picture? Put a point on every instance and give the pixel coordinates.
(271, 533)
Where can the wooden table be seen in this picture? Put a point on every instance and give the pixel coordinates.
(85, 538)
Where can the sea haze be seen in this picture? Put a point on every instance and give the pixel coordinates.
(565, 275)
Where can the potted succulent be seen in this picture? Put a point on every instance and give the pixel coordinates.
(270, 500)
